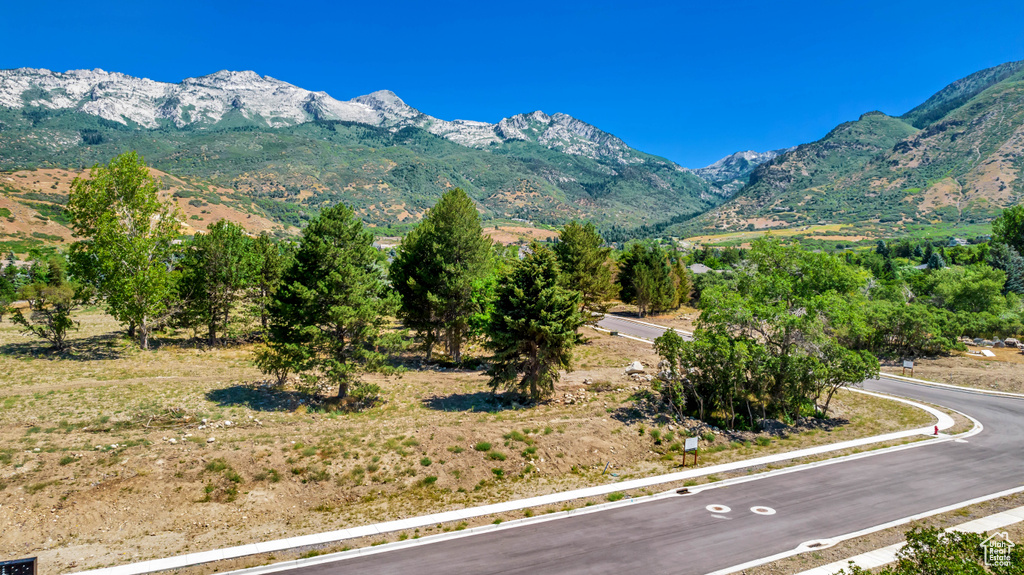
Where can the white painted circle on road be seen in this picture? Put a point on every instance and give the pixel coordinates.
(760, 510)
(718, 509)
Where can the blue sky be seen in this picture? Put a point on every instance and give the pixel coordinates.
(692, 81)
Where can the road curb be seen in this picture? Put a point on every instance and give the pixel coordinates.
(190, 559)
(928, 383)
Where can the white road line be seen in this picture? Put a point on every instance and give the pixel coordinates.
(879, 557)
(803, 548)
(180, 561)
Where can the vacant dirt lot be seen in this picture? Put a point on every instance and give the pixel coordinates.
(110, 455)
(1004, 372)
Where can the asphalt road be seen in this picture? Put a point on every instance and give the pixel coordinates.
(679, 535)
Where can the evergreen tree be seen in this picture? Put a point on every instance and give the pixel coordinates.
(936, 261)
(435, 270)
(645, 279)
(218, 271)
(128, 245)
(328, 318)
(269, 264)
(534, 326)
(585, 265)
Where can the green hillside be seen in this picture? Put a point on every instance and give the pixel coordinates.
(952, 163)
(388, 177)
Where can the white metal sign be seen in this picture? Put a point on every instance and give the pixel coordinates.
(907, 364)
(691, 444)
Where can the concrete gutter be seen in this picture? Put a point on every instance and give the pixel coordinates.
(180, 561)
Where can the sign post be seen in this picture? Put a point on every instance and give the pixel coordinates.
(908, 364)
(18, 567)
(691, 445)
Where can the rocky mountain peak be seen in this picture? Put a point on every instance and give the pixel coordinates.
(208, 99)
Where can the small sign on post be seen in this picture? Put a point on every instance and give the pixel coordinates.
(908, 364)
(18, 567)
(690, 445)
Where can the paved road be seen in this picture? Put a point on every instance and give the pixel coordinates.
(679, 535)
(634, 328)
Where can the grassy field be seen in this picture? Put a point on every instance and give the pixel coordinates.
(112, 455)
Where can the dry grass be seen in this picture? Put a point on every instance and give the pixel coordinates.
(91, 477)
(1004, 372)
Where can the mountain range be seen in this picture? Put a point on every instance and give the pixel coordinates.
(952, 162)
(270, 154)
(281, 152)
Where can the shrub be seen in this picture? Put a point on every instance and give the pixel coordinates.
(496, 456)
(455, 449)
(618, 495)
(482, 446)
(425, 462)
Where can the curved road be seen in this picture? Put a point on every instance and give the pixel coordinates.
(679, 535)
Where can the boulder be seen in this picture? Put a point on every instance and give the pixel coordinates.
(1011, 342)
(635, 367)
(998, 343)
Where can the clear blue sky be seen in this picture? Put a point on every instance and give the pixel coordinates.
(692, 81)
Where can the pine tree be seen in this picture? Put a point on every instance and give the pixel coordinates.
(269, 264)
(218, 271)
(586, 265)
(645, 279)
(435, 270)
(936, 261)
(1005, 258)
(328, 319)
(534, 326)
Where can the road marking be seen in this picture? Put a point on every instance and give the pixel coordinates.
(718, 509)
(761, 510)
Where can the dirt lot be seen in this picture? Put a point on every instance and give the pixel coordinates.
(112, 455)
(1004, 372)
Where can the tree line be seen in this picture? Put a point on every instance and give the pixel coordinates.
(780, 330)
(329, 306)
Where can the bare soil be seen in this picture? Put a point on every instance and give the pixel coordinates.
(106, 454)
(1004, 372)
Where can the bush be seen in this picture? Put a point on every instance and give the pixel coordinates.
(496, 456)
(482, 446)
(365, 394)
(425, 462)
(617, 496)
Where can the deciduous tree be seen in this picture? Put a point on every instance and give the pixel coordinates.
(128, 241)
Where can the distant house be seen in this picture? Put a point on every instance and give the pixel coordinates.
(953, 242)
(702, 269)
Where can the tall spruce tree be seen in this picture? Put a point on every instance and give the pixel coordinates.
(270, 259)
(328, 319)
(435, 270)
(128, 241)
(218, 270)
(585, 265)
(534, 326)
(645, 279)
